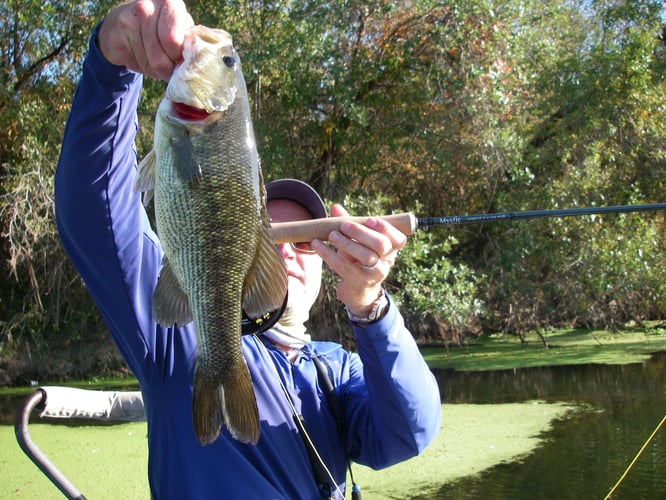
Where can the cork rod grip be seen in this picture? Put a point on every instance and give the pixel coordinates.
(308, 230)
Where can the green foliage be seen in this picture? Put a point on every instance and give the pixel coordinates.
(442, 107)
(599, 140)
(433, 286)
(624, 278)
(592, 271)
(39, 53)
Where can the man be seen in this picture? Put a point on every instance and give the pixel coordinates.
(389, 400)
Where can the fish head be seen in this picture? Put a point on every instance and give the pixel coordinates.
(209, 77)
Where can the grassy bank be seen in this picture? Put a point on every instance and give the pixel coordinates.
(565, 347)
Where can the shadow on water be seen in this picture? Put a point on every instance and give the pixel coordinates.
(584, 455)
(9, 405)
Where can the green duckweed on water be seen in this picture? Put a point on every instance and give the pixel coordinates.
(109, 461)
(466, 445)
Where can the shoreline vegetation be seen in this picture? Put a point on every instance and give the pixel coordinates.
(100, 459)
(566, 346)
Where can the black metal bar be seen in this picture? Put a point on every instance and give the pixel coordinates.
(34, 453)
(423, 222)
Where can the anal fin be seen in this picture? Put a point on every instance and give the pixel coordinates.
(266, 284)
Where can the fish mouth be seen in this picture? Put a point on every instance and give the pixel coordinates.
(189, 113)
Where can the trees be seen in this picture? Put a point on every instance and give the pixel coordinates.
(596, 138)
(40, 49)
(439, 108)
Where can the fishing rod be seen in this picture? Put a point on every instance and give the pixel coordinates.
(407, 222)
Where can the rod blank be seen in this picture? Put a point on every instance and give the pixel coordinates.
(533, 214)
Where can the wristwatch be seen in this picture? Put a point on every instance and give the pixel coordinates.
(379, 308)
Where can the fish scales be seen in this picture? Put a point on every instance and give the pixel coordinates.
(219, 258)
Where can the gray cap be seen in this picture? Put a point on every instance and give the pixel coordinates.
(298, 192)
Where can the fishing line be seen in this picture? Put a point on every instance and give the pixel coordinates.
(300, 424)
(640, 452)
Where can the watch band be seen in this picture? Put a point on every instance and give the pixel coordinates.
(379, 308)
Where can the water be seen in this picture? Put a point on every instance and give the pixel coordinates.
(586, 454)
(583, 455)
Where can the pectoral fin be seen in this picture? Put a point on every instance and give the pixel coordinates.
(145, 177)
(170, 303)
(185, 160)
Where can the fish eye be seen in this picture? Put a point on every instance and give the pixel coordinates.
(229, 61)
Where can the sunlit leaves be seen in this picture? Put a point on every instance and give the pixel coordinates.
(41, 47)
(444, 108)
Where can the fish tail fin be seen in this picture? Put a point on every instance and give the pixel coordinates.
(230, 402)
(241, 415)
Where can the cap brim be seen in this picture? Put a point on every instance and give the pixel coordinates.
(298, 192)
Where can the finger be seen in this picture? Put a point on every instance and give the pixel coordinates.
(338, 261)
(338, 210)
(174, 22)
(364, 242)
(397, 238)
(162, 26)
(385, 240)
(119, 36)
(156, 40)
(334, 260)
(144, 42)
(347, 257)
(368, 242)
(358, 250)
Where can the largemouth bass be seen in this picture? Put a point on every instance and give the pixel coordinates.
(219, 257)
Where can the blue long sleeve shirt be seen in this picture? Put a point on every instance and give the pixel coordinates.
(389, 398)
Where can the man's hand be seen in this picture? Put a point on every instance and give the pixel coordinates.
(145, 36)
(364, 257)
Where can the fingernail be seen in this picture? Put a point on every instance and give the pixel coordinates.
(334, 236)
(371, 222)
